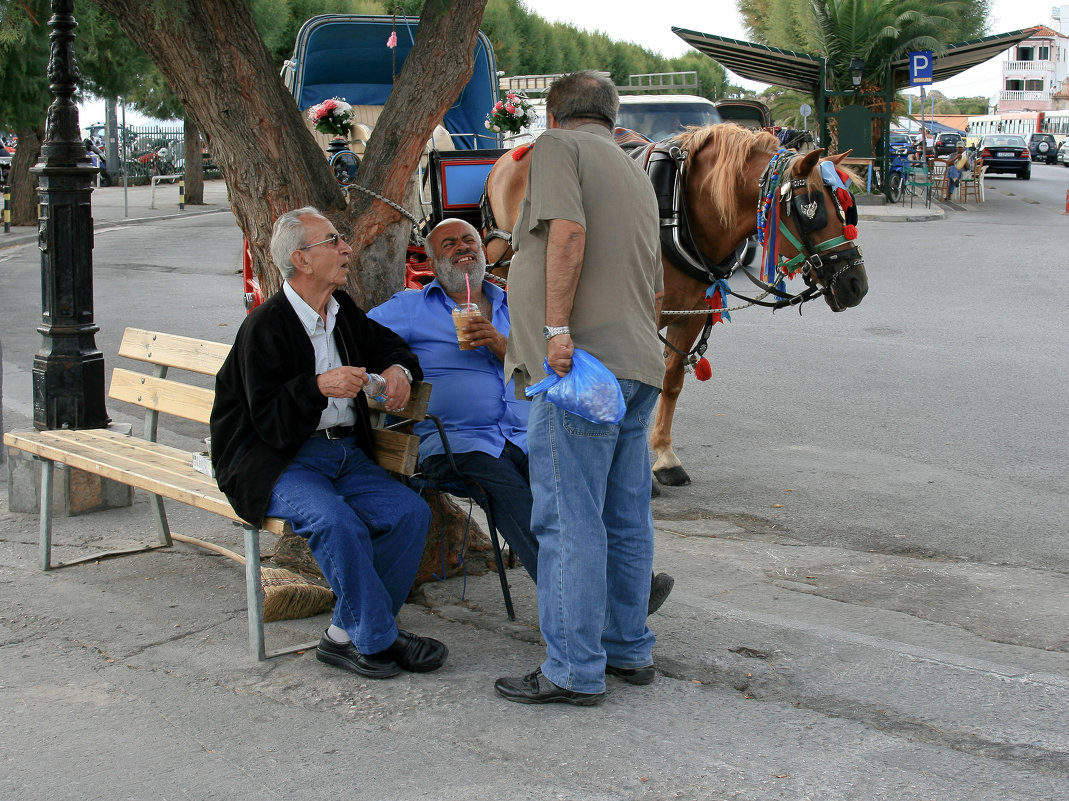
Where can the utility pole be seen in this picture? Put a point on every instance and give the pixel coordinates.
(68, 371)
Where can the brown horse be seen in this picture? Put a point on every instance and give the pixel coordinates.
(725, 169)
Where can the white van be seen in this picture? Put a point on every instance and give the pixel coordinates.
(661, 116)
(655, 116)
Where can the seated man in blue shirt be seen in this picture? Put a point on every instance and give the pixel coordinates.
(485, 423)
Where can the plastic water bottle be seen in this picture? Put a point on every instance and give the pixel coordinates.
(375, 387)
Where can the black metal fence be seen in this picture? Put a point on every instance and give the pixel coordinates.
(148, 150)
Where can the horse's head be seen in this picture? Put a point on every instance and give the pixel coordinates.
(817, 228)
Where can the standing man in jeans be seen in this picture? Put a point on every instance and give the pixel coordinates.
(587, 274)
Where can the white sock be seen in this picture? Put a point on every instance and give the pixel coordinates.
(337, 634)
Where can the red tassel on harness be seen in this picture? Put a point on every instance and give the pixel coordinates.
(519, 152)
(702, 370)
(850, 231)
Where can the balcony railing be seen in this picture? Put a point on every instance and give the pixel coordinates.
(1027, 66)
(1009, 94)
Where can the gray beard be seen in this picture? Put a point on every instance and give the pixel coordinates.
(452, 278)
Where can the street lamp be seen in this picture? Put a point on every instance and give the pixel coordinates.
(857, 68)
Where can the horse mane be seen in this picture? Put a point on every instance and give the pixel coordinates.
(732, 146)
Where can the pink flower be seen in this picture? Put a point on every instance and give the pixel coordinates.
(511, 96)
(511, 109)
(498, 106)
(392, 41)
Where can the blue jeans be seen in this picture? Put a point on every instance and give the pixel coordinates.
(365, 530)
(592, 517)
(508, 487)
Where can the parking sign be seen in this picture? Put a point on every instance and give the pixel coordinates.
(920, 68)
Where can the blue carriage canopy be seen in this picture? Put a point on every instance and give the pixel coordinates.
(346, 55)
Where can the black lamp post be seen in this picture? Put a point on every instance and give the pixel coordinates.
(68, 370)
(857, 69)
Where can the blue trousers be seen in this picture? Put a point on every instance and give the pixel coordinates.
(365, 530)
(592, 517)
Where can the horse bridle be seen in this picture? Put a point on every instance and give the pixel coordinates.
(821, 262)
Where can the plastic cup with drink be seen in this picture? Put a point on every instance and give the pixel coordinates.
(463, 312)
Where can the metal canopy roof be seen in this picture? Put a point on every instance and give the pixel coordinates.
(786, 68)
(758, 62)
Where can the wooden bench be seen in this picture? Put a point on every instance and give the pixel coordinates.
(168, 473)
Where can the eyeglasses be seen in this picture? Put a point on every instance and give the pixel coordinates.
(333, 239)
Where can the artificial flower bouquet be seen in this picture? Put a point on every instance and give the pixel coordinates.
(510, 115)
(333, 117)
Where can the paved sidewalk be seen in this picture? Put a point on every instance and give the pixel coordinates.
(114, 205)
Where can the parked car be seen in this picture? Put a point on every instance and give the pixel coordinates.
(946, 143)
(900, 142)
(751, 114)
(1063, 152)
(1006, 153)
(1043, 147)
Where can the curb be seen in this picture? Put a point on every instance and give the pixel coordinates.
(14, 239)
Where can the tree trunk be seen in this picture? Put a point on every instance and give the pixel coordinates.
(23, 182)
(214, 59)
(194, 166)
(212, 56)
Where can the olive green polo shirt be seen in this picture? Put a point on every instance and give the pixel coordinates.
(583, 176)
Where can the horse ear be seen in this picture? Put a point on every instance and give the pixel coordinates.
(808, 162)
(838, 158)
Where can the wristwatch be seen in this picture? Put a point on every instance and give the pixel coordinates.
(405, 370)
(551, 331)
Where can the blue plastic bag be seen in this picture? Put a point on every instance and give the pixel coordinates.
(589, 390)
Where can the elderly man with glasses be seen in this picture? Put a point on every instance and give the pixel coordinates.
(291, 438)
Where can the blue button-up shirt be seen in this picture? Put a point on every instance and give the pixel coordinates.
(479, 411)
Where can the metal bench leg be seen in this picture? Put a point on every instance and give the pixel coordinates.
(162, 526)
(502, 575)
(48, 470)
(255, 591)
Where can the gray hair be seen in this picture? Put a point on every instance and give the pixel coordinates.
(429, 248)
(288, 236)
(583, 95)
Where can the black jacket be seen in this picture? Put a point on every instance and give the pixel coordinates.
(267, 402)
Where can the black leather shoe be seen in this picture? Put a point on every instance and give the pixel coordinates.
(414, 653)
(642, 675)
(534, 688)
(660, 588)
(347, 657)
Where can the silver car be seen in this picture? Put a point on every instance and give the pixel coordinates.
(1063, 152)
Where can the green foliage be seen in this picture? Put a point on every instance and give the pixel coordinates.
(876, 31)
(24, 52)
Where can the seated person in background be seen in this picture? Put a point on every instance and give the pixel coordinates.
(960, 164)
(485, 423)
(291, 438)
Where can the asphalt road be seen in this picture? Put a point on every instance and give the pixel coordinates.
(871, 590)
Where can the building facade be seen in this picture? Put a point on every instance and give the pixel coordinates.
(1035, 76)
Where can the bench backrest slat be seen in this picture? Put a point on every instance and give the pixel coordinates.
(395, 451)
(170, 350)
(162, 395)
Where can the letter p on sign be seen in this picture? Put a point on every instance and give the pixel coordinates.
(920, 67)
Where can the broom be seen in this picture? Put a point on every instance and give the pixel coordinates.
(287, 596)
